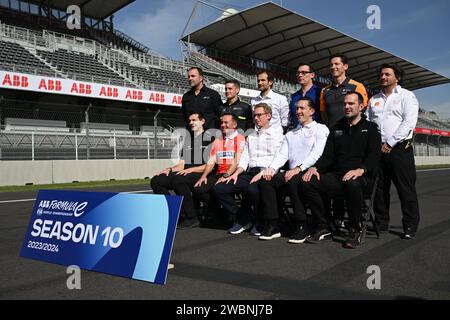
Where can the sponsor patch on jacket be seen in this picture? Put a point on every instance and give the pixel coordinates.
(338, 133)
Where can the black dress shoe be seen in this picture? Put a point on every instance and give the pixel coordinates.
(409, 234)
(188, 223)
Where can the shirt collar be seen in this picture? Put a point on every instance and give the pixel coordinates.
(306, 93)
(308, 126)
(397, 89)
(268, 131)
(270, 95)
(236, 102)
(231, 136)
(203, 89)
(343, 84)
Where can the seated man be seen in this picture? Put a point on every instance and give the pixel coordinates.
(301, 147)
(225, 152)
(182, 177)
(351, 153)
(260, 148)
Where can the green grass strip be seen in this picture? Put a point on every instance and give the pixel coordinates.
(76, 185)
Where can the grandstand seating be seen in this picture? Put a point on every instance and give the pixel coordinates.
(425, 122)
(81, 66)
(156, 76)
(16, 58)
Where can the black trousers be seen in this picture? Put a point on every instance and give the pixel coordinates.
(203, 193)
(398, 166)
(182, 186)
(225, 193)
(269, 196)
(331, 183)
(162, 184)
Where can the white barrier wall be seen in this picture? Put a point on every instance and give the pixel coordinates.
(421, 161)
(14, 173)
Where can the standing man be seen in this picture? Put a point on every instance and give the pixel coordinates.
(277, 102)
(260, 149)
(301, 147)
(242, 110)
(201, 99)
(351, 155)
(395, 110)
(182, 177)
(332, 96)
(305, 75)
(331, 101)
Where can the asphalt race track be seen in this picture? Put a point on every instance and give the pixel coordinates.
(211, 264)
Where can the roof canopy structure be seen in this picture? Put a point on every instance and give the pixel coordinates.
(97, 9)
(277, 35)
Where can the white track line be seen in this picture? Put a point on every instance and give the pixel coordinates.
(27, 200)
(427, 170)
(150, 190)
(13, 201)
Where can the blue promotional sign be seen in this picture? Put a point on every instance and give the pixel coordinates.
(128, 235)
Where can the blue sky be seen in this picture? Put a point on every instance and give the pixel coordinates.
(416, 30)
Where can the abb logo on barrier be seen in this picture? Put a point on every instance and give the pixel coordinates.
(177, 100)
(51, 85)
(16, 81)
(134, 95)
(157, 97)
(35, 83)
(109, 92)
(81, 88)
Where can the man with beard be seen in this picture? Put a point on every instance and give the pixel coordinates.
(351, 155)
(277, 102)
(201, 99)
(395, 110)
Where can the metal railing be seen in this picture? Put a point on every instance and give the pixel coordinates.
(15, 145)
(243, 78)
(431, 145)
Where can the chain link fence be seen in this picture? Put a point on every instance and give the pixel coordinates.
(431, 145)
(49, 131)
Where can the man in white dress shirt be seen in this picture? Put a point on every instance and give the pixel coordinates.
(278, 102)
(395, 111)
(260, 149)
(301, 147)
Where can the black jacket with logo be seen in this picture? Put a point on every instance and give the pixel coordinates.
(208, 102)
(351, 147)
(243, 111)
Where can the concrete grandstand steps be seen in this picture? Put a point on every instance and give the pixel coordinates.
(21, 124)
(106, 128)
